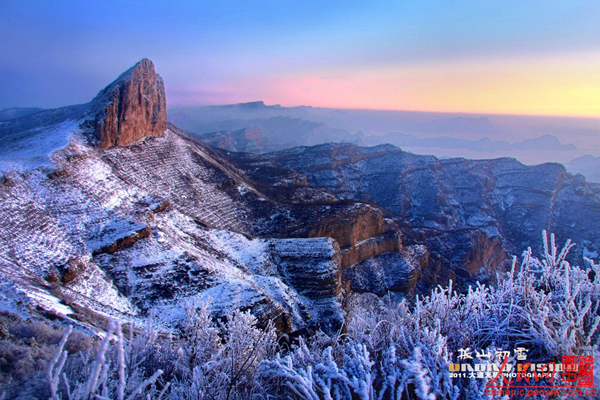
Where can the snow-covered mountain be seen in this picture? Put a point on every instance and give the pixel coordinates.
(107, 211)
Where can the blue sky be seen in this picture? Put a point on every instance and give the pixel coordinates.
(421, 55)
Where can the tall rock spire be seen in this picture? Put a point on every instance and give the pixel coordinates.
(131, 108)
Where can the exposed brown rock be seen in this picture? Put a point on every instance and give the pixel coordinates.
(131, 108)
(162, 206)
(51, 277)
(349, 229)
(125, 241)
(58, 173)
(488, 253)
(6, 181)
(267, 311)
(372, 247)
(72, 269)
(361, 234)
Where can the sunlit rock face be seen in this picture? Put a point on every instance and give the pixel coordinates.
(132, 107)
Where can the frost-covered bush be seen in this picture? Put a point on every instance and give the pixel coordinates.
(208, 360)
(544, 305)
(117, 370)
(398, 351)
(25, 349)
(220, 361)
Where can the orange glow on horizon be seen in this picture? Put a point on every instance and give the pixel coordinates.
(557, 86)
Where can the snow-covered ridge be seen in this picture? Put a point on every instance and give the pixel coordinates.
(114, 216)
(73, 221)
(33, 148)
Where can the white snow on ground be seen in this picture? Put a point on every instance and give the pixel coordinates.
(13, 299)
(35, 150)
(95, 284)
(49, 302)
(98, 197)
(251, 253)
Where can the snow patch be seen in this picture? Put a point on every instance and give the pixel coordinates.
(49, 302)
(252, 254)
(242, 189)
(36, 146)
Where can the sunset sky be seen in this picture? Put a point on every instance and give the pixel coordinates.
(517, 57)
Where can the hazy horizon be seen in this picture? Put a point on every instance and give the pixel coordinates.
(531, 69)
(530, 139)
(447, 113)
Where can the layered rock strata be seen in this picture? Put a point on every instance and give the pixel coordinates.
(389, 272)
(311, 267)
(471, 214)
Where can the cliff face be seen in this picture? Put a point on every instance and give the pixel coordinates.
(312, 268)
(135, 226)
(397, 272)
(470, 214)
(371, 247)
(360, 229)
(127, 226)
(131, 108)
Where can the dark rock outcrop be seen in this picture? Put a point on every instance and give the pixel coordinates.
(131, 108)
(394, 272)
(360, 229)
(310, 266)
(125, 241)
(72, 269)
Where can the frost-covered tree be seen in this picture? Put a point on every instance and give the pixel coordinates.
(117, 370)
(222, 363)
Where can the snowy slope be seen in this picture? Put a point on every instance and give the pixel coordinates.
(144, 229)
(34, 147)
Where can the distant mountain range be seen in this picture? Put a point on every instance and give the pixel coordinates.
(546, 142)
(446, 136)
(13, 113)
(306, 126)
